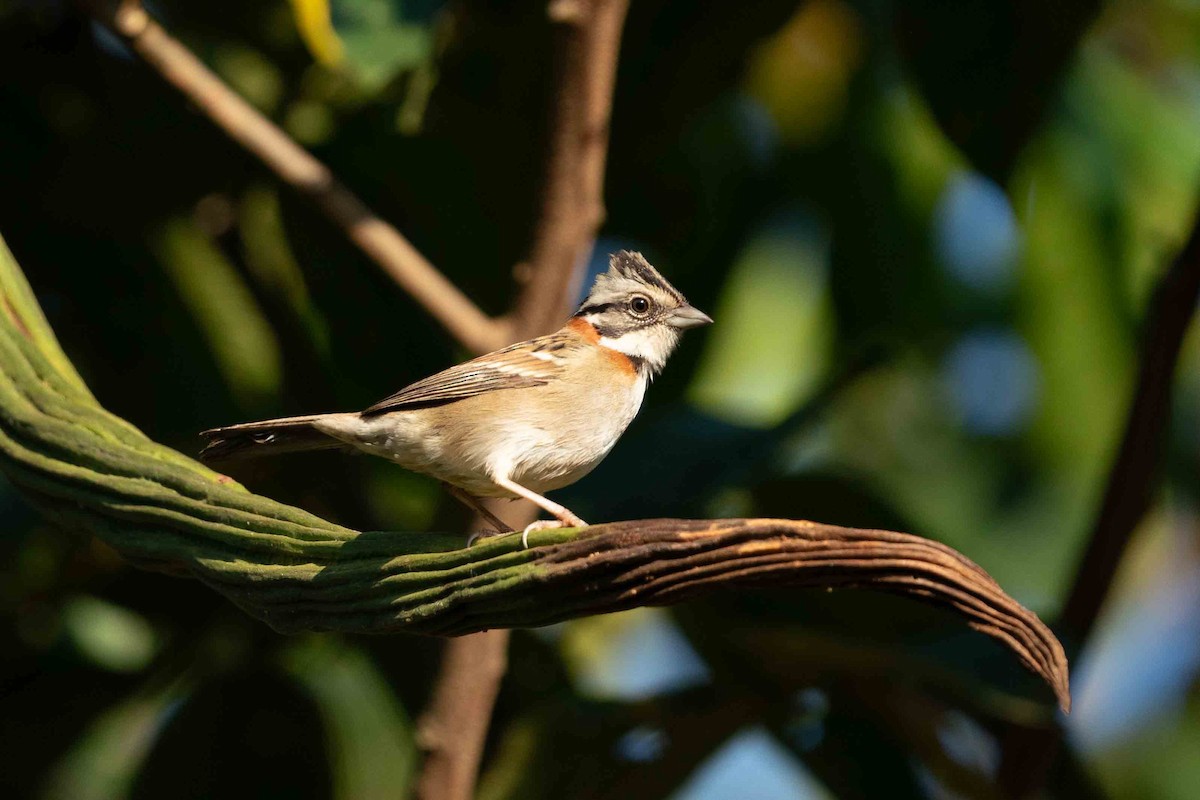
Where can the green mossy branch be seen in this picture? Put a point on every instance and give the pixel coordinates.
(295, 571)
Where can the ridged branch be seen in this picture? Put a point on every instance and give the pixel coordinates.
(297, 572)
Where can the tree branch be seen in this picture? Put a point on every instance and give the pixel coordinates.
(572, 207)
(1029, 754)
(293, 165)
(572, 210)
(452, 731)
(297, 572)
(453, 727)
(1136, 470)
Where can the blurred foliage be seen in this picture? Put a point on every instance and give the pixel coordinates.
(927, 232)
(375, 39)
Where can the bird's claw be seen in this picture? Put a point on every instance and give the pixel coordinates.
(477, 535)
(548, 524)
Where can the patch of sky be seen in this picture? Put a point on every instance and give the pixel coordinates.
(752, 765)
(992, 380)
(976, 237)
(646, 657)
(1143, 664)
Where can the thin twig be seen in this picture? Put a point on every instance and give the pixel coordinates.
(295, 166)
(1030, 754)
(1135, 473)
(572, 207)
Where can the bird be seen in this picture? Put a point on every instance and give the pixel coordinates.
(518, 422)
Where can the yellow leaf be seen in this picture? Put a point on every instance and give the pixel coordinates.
(315, 24)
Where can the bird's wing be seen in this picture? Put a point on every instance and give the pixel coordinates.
(531, 363)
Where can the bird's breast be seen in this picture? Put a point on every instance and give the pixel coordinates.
(588, 420)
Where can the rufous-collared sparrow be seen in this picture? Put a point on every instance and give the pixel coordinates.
(535, 416)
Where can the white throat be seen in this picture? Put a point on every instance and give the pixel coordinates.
(650, 346)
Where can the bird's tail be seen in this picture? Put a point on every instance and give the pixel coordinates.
(268, 438)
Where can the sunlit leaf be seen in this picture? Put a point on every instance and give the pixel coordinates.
(754, 374)
(313, 20)
(109, 635)
(244, 345)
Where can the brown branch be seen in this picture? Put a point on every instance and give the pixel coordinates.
(1029, 754)
(357, 582)
(296, 167)
(572, 209)
(1135, 473)
(295, 571)
(453, 728)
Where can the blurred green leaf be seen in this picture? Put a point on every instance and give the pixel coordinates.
(369, 736)
(376, 39)
(103, 763)
(242, 341)
(110, 636)
(382, 37)
(802, 73)
(753, 374)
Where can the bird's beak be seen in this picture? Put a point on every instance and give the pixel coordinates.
(689, 317)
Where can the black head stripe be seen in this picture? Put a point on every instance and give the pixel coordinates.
(609, 331)
(635, 267)
(614, 326)
(594, 308)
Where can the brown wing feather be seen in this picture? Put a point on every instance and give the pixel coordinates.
(518, 366)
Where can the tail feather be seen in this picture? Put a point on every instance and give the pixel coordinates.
(270, 437)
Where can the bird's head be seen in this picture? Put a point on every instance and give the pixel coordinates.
(636, 311)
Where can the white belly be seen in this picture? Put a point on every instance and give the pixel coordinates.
(467, 442)
(543, 460)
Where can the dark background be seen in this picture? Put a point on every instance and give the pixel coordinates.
(927, 232)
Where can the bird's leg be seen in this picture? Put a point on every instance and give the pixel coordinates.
(475, 504)
(564, 517)
(561, 513)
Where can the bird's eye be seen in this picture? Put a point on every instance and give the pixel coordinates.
(639, 305)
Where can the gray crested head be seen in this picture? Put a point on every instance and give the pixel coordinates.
(637, 312)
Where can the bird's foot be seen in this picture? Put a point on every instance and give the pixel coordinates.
(549, 524)
(477, 535)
